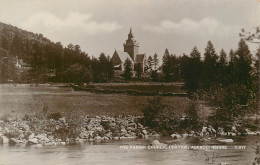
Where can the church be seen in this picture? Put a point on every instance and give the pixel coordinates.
(131, 48)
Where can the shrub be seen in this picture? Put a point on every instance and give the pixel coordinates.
(159, 117)
(152, 110)
(192, 120)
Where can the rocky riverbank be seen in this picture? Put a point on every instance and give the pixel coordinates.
(43, 130)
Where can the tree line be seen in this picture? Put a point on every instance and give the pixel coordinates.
(68, 64)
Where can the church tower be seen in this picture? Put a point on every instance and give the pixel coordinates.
(130, 46)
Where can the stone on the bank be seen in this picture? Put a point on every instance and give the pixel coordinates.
(223, 163)
(157, 143)
(15, 141)
(33, 141)
(123, 130)
(63, 143)
(140, 126)
(31, 136)
(185, 135)
(4, 140)
(176, 136)
(115, 138)
(204, 129)
(225, 140)
(127, 135)
(144, 132)
(132, 125)
(97, 138)
(222, 133)
(231, 134)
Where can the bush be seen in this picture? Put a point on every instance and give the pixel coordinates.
(192, 120)
(159, 117)
(152, 110)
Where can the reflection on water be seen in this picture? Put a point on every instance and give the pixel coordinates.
(110, 153)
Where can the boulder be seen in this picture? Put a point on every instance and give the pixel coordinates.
(15, 141)
(157, 143)
(115, 138)
(185, 135)
(204, 129)
(97, 138)
(231, 134)
(31, 136)
(176, 136)
(140, 126)
(144, 132)
(33, 141)
(127, 135)
(123, 130)
(132, 125)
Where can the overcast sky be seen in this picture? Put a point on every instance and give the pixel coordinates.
(102, 25)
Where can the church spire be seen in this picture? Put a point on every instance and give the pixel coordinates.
(130, 35)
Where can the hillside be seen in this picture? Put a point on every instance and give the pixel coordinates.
(13, 40)
(43, 58)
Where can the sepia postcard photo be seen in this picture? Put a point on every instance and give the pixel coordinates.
(115, 82)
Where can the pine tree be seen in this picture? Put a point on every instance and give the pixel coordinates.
(243, 64)
(222, 68)
(192, 71)
(156, 61)
(149, 63)
(166, 67)
(209, 66)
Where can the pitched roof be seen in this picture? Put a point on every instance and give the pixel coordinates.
(139, 58)
(123, 56)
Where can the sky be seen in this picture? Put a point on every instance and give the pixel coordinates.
(103, 25)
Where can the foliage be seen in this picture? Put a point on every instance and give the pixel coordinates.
(191, 120)
(162, 118)
(149, 63)
(252, 36)
(192, 70)
(139, 70)
(170, 67)
(156, 61)
(78, 74)
(127, 70)
(159, 117)
(155, 76)
(152, 110)
(209, 67)
(257, 152)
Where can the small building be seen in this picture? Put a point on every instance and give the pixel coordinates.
(20, 64)
(131, 52)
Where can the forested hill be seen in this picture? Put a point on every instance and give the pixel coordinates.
(13, 40)
(42, 55)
